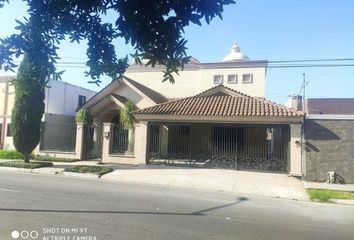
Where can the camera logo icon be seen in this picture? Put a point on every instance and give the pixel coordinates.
(24, 234)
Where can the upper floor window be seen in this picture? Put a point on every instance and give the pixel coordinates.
(218, 79)
(232, 79)
(247, 78)
(81, 100)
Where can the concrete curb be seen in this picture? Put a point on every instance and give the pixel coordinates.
(328, 186)
(50, 171)
(342, 201)
(81, 175)
(12, 169)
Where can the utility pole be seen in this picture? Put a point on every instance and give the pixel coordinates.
(304, 83)
(4, 115)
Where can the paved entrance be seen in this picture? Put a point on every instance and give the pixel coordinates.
(253, 183)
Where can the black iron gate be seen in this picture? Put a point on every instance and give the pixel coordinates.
(257, 147)
(93, 137)
(120, 140)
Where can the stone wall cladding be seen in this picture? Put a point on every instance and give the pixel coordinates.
(329, 146)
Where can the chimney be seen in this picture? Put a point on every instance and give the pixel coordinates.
(296, 102)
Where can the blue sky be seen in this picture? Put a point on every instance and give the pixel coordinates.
(265, 30)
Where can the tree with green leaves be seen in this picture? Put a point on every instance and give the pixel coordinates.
(153, 27)
(28, 108)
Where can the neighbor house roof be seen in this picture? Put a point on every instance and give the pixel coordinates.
(221, 101)
(330, 105)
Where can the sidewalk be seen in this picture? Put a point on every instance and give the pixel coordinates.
(253, 183)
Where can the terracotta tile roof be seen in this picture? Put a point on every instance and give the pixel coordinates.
(155, 96)
(221, 105)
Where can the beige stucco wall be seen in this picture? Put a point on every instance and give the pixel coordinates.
(194, 81)
(136, 98)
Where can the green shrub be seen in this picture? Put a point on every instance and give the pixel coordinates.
(100, 170)
(22, 164)
(83, 116)
(12, 154)
(126, 117)
(55, 159)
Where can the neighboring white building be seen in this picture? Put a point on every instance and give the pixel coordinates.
(71, 97)
(235, 71)
(61, 102)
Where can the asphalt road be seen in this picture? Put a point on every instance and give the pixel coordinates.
(63, 208)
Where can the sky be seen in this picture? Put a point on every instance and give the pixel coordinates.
(265, 30)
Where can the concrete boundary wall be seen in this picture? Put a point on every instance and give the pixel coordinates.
(329, 146)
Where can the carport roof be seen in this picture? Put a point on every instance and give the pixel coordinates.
(221, 101)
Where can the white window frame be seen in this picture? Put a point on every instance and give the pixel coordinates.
(232, 82)
(250, 78)
(218, 81)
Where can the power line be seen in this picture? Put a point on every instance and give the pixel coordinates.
(312, 60)
(76, 64)
(310, 65)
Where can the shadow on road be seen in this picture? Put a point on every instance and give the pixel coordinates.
(201, 212)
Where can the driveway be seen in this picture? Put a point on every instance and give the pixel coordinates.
(252, 183)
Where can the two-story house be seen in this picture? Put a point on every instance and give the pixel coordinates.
(215, 114)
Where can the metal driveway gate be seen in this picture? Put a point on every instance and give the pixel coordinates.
(252, 147)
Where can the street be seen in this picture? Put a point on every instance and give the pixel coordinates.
(58, 207)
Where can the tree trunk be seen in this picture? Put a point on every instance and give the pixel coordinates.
(26, 157)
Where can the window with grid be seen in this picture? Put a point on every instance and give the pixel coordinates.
(218, 79)
(247, 78)
(232, 79)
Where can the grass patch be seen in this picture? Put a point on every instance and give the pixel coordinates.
(12, 154)
(100, 170)
(22, 164)
(325, 195)
(55, 159)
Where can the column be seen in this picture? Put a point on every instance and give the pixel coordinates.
(295, 149)
(79, 148)
(106, 142)
(141, 142)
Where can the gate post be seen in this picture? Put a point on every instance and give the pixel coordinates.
(106, 142)
(141, 137)
(79, 140)
(295, 150)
